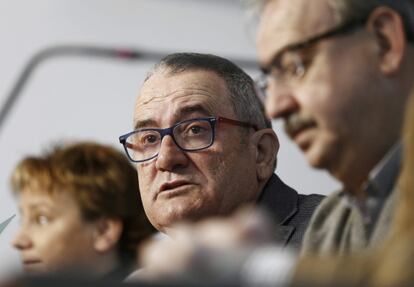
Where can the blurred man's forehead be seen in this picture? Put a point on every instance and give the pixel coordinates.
(284, 22)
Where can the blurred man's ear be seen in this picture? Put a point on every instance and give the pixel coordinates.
(267, 145)
(388, 29)
(107, 234)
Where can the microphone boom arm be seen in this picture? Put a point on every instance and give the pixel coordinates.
(85, 51)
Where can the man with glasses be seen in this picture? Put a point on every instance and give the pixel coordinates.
(203, 147)
(338, 73)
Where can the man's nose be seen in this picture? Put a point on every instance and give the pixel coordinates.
(22, 240)
(170, 156)
(280, 100)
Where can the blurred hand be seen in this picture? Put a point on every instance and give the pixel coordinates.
(208, 248)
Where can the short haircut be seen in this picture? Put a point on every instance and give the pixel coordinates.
(356, 10)
(99, 178)
(350, 10)
(242, 92)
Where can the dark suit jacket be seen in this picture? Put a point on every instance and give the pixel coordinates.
(292, 211)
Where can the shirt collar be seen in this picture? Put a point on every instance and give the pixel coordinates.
(382, 178)
(380, 183)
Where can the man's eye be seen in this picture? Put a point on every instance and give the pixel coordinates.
(148, 139)
(294, 69)
(197, 129)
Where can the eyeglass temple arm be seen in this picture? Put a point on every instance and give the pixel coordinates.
(237, 123)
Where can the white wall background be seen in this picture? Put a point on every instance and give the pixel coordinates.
(78, 98)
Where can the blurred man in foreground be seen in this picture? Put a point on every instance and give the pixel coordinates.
(339, 75)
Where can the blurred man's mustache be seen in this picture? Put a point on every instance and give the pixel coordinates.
(295, 122)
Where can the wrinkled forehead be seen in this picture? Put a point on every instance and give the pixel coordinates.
(174, 95)
(284, 22)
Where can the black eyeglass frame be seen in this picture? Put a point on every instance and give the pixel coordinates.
(170, 131)
(342, 29)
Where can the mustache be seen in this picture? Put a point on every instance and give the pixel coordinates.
(294, 123)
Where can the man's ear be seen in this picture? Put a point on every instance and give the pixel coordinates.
(266, 146)
(388, 29)
(107, 233)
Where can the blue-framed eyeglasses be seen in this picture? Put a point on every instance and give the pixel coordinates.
(289, 64)
(189, 135)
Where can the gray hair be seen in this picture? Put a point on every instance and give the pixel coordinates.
(356, 10)
(350, 10)
(242, 92)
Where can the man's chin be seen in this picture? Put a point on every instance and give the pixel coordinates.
(36, 269)
(178, 216)
(317, 158)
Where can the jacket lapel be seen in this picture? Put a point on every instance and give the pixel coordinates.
(281, 202)
(283, 233)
